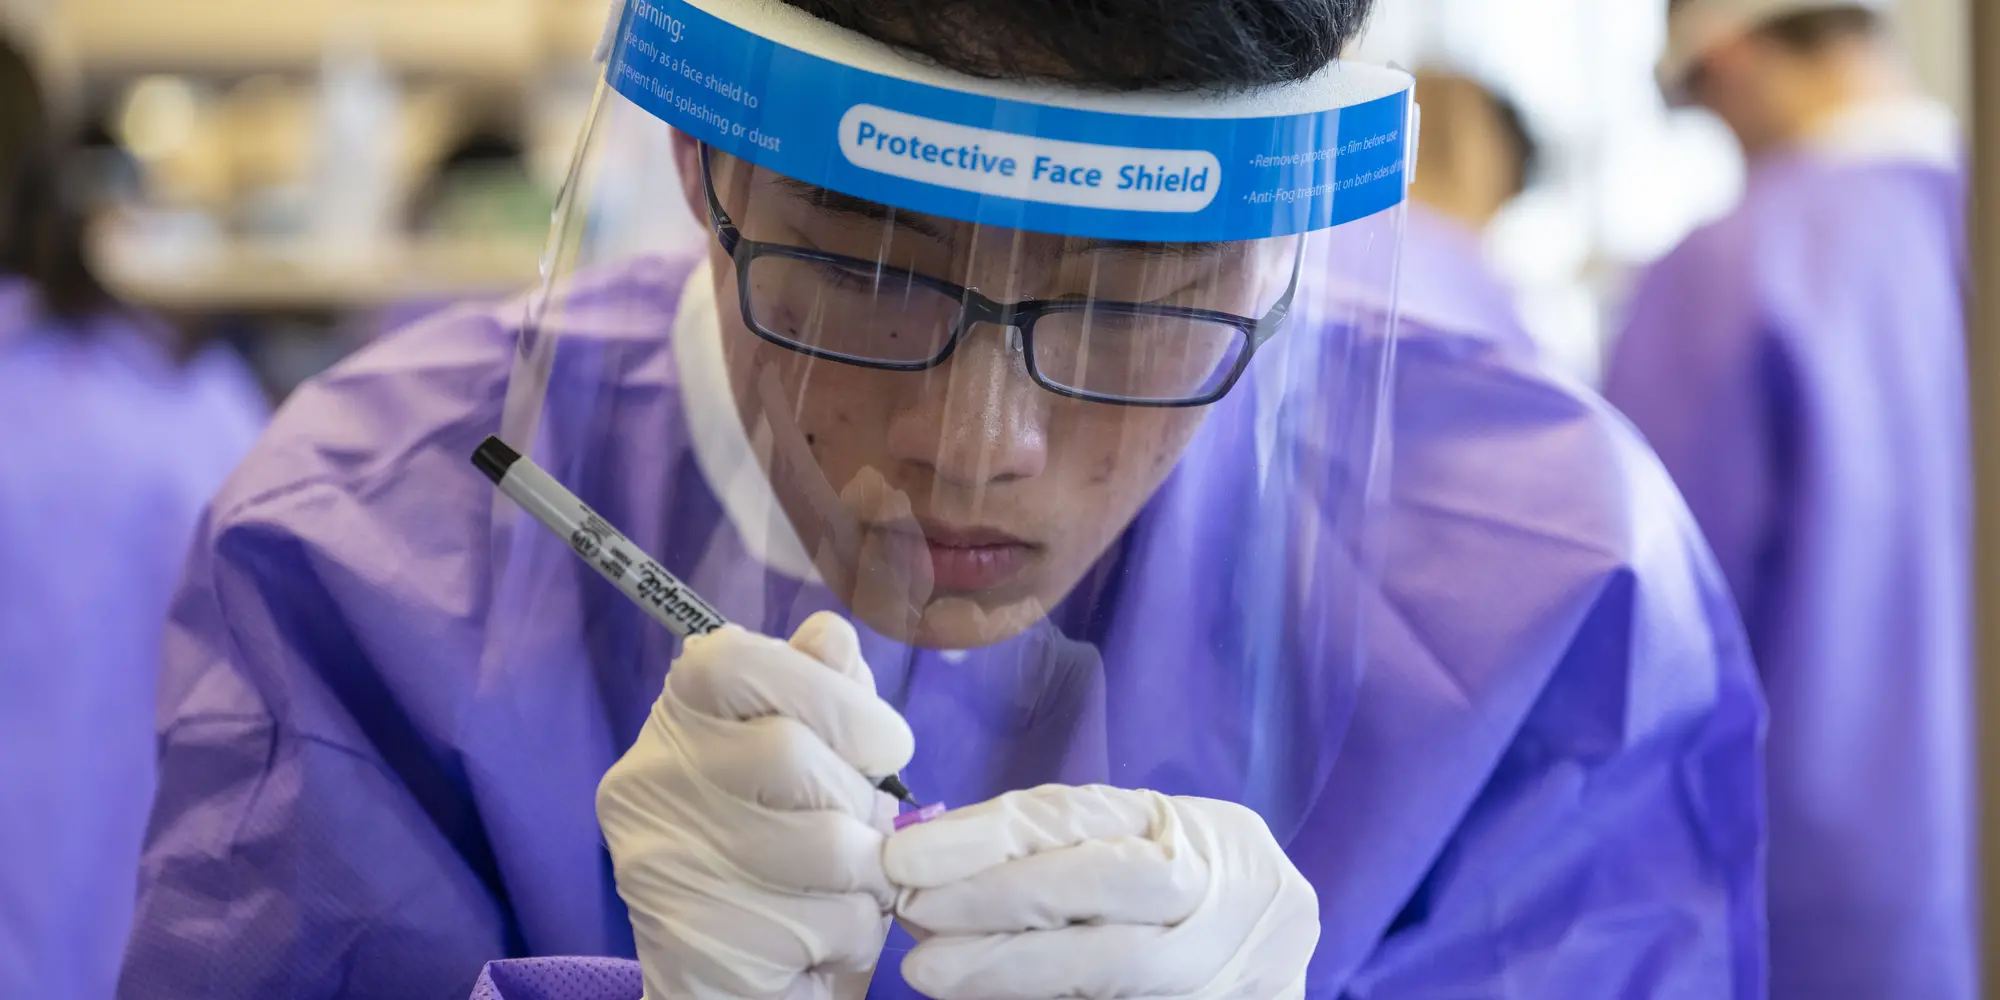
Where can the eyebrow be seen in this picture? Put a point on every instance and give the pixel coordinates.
(874, 211)
(1185, 251)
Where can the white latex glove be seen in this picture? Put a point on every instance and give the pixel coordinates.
(1101, 892)
(746, 842)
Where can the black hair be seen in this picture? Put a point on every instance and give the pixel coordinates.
(489, 147)
(1443, 91)
(1114, 44)
(1527, 153)
(41, 228)
(1812, 31)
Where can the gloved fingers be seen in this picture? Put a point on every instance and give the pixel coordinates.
(766, 795)
(777, 764)
(734, 674)
(849, 984)
(1112, 961)
(1265, 888)
(774, 762)
(831, 640)
(759, 944)
(686, 957)
(838, 933)
(964, 842)
(1121, 880)
(799, 854)
(814, 852)
(1227, 828)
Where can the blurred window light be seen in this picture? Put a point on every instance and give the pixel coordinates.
(1660, 180)
(159, 117)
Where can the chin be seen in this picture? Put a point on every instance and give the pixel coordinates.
(969, 623)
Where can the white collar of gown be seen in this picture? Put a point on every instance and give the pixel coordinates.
(1897, 129)
(722, 450)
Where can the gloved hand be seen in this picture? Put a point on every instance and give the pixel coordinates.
(746, 840)
(1101, 892)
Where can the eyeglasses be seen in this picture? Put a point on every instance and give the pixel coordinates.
(860, 312)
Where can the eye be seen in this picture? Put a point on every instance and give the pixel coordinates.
(842, 278)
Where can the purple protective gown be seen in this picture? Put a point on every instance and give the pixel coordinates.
(1446, 284)
(111, 450)
(1549, 789)
(1799, 366)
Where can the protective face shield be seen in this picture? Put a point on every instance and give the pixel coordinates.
(1696, 27)
(1072, 401)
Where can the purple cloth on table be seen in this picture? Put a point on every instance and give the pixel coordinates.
(111, 449)
(1549, 788)
(560, 979)
(1799, 365)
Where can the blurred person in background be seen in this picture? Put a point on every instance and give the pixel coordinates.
(115, 439)
(1476, 156)
(1799, 365)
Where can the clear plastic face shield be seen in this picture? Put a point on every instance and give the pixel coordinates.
(1073, 403)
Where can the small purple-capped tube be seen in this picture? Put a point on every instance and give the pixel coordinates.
(921, 814)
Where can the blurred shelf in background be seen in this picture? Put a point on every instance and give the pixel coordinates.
(297, 275)
(499, 40)
(299, 176)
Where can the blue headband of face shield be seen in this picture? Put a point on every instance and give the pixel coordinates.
(870, 122)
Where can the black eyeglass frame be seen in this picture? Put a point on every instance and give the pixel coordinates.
(975, 308)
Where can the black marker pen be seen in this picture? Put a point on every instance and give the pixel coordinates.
(636, 574)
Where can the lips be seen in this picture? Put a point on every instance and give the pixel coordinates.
(971, 559)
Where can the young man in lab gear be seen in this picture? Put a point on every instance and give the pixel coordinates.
(1033, 405)
(1799, 366)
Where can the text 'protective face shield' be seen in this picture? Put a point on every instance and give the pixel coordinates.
(1072, 402)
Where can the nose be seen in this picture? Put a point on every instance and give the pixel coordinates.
(978, 419)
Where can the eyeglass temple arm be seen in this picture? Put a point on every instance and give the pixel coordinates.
(725, 230)
(1274, 320)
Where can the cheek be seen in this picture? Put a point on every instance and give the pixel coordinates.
(838, 409)
(1125, 459)
(841, 406)
(1172, 431)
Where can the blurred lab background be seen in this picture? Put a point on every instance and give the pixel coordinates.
(293, 179)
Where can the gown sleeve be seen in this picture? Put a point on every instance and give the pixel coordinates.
(286, 858)
(314, 834)
(1610, 839)
(1616, 849)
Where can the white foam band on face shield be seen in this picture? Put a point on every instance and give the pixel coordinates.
(767, 83)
